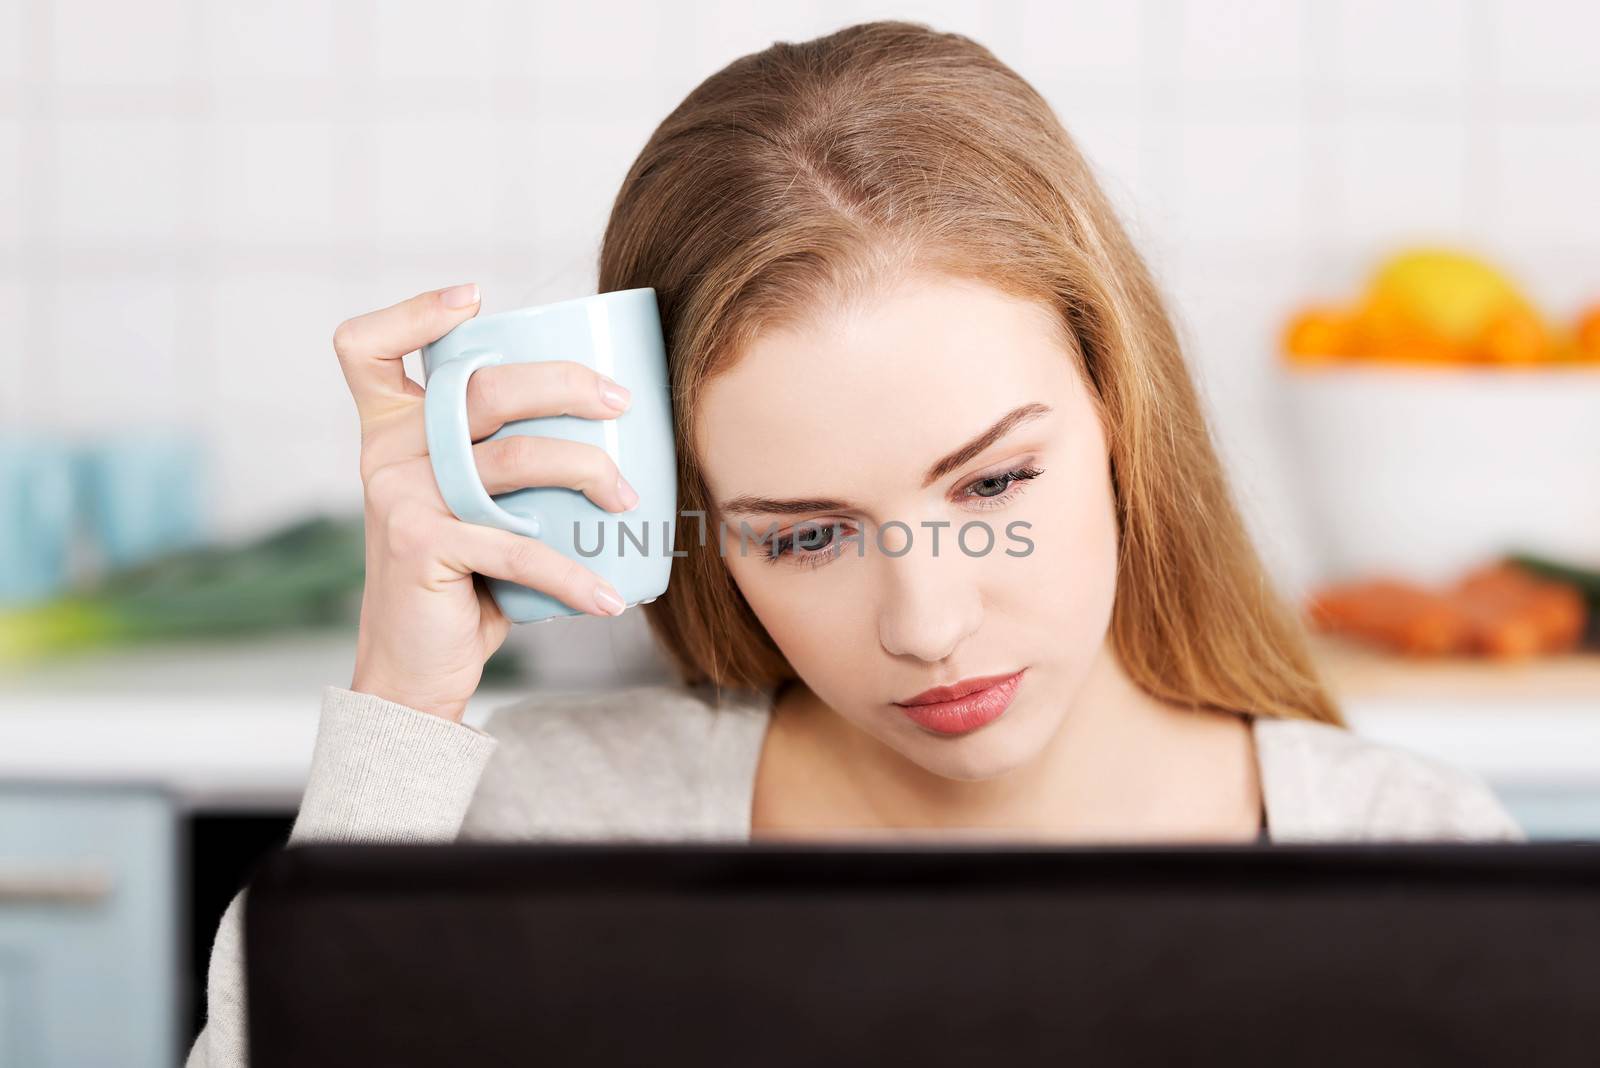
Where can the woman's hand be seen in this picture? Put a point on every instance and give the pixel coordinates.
(426, 626)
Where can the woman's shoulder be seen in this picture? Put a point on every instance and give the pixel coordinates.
(646, 760)
(1327, 782)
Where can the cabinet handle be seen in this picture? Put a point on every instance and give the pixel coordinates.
(83, 885)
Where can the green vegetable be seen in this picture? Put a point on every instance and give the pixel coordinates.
(308, 574)
(305, 574)
(1587, 581)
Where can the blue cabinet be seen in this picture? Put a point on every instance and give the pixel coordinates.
(88, 926)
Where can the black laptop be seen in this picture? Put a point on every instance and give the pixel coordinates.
(772, 956)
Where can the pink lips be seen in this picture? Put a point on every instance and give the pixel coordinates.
(964, 707)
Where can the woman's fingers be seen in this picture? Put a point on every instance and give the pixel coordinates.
(530, 562)
(370, 347)
(497, 395)
(520, 460)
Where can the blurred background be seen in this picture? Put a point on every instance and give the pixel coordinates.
(1376, 224)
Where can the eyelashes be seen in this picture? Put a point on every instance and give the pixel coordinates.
(1011, 484)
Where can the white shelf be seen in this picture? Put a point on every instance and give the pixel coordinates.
(220, 724)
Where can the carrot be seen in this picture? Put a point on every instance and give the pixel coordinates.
(1515, 614)
(1400, 615)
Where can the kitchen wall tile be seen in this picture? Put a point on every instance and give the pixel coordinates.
(1548, 175)
(16, 30)
(589, 161)
(16, 406)
(279, 413)
(571, 44)
(1154, 206)
(1114, 143)
(1564, 280)
(540, 279)
(1546, 45)
(267, 472)
(427, 188)
(701, 38)
(1233, 41)
(414, 39)
(274, 183)
(284, 39)
(1401, 180)
(525, 159)
(11, 171)
(125, 328)
(121, 180)
(147, 43)
(1400, 52)
(997, 25)
(1098, 41)
(1242, 181)
(1230, 314)
(272, 340)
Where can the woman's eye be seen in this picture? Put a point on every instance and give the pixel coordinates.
(815, 544)
(998, 490)
(813, 540)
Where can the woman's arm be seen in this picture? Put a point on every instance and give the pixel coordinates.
(380, 772)
(392, 762)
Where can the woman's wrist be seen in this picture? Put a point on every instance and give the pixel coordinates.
(419, 698)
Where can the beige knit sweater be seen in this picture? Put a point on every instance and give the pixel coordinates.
(665, 762)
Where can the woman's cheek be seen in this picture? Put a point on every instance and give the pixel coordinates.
(808, 625)
(1066, 567)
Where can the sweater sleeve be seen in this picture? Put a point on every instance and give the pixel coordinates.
(380, 772)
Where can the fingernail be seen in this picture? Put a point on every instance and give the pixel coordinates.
(460, 296)
(613, 394)
(607, 601)
(630, 498)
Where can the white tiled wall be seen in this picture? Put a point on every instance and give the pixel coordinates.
(193, 193)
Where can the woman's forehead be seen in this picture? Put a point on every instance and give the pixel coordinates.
(886, 385)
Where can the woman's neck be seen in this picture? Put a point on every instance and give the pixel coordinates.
(1121, 765)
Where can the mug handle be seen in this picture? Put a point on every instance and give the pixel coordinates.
(444, 410)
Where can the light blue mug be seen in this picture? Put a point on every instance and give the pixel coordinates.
(617, 334)
(143, 493)
(37, 515)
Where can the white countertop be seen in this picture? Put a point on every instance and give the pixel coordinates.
(226, 724)
(233, 724)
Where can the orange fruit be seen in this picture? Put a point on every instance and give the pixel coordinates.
(1514, 335)
(1318, 334)
(1588, 334)
(1389, 331)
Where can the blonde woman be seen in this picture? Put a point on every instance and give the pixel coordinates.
(898, 309)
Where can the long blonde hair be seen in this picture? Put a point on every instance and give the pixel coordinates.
(808, 175)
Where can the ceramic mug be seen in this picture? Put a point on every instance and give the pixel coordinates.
(143, 494)
(37, 517)
(617, 334)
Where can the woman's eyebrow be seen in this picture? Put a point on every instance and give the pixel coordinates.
(748, 505)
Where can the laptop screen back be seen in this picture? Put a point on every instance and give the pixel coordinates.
(734, 954)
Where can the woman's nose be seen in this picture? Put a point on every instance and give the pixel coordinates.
(930, 604)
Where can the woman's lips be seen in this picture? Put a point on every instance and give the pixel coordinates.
(968, 712)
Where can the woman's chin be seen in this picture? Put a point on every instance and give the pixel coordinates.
(1006, 744)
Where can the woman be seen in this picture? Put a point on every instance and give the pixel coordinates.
(898, 308)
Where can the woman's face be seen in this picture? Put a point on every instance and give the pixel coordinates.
(875, 600)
